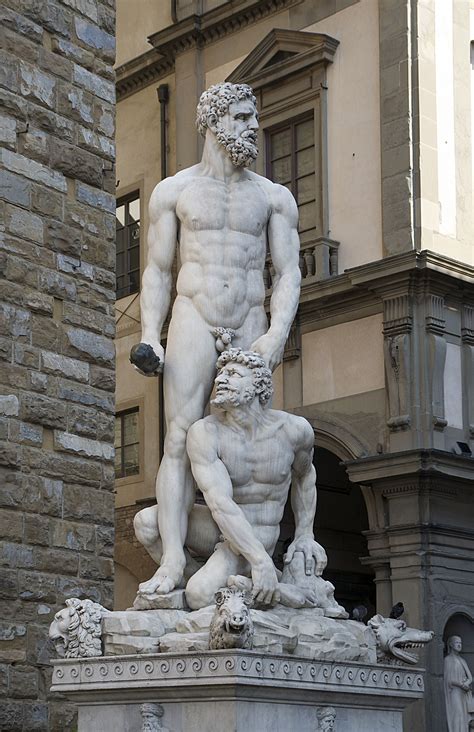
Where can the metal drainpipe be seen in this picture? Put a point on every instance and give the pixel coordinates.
(163, 98)
(174, 12)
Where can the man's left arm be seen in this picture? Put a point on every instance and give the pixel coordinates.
(303, 502)
(284, 246)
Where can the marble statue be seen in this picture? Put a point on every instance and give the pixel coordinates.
(244, 457)
(457, 687)
(226, 217)
(326, 718)
(152, 715)
(396, 642)
(231, 625)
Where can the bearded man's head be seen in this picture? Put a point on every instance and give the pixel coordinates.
(242, 376)
(213, 104)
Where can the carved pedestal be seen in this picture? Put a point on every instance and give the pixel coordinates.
(235, 691)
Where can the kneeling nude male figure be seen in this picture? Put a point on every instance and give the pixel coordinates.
(244, 458)
(224, 216)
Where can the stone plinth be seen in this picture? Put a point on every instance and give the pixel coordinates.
(234, 691)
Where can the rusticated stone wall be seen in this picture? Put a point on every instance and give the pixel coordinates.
(57, 381)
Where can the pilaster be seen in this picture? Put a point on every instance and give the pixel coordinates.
(467, 341)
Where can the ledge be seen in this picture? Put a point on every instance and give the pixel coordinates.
(410, 462)
(227, 673)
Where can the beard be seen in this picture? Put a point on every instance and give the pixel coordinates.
(242, 150)
(228, 399)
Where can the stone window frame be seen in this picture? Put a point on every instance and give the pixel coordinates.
(287, 72)
(121, 416)
(123, 406)
(291, 124)
(126, 200)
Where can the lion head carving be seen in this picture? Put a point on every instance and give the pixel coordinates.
(77, 629)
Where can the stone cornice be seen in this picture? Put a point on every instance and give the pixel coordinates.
(215, 24)
(196, 30)
(181, 676)
(140, 72)
(359, 291)
(410, 462)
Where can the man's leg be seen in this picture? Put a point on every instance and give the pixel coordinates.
(255, 325)
(202, 537)
(188, 378)
(203, 585)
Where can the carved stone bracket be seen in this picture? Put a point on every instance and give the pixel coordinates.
(397, 315)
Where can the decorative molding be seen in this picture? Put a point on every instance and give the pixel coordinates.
(436, 463)
(397, 317)
(215, 24)
(142, 71)
(196, 30)
(298, 52)
(126, 674)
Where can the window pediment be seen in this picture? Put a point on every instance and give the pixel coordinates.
(282, 53)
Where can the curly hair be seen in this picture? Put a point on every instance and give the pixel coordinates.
(84, 628)
(261, 374)
(216, 100)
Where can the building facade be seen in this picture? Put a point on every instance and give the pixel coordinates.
(366, 115)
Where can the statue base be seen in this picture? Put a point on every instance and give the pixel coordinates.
(234, 690)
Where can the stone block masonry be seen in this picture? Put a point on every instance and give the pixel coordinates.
(57, 292)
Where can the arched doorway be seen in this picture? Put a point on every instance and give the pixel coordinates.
(341, 519)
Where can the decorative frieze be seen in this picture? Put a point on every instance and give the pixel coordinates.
(237, 667)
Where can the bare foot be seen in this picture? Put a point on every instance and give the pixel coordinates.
(163, 581)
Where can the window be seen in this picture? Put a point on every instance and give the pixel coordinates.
(127, 443)
(290, 159)
(128, 245)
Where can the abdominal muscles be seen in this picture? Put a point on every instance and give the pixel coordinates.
(224, 287)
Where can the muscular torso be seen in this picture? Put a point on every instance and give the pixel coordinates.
(260, 470)
(222, 247)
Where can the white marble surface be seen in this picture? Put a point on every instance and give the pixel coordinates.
(227, 216)
(236, 690)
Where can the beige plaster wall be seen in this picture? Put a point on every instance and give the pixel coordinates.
(136, 20)
(354, 133)
(220, 73)
(343, 360)
(138, 148)
(136, 390)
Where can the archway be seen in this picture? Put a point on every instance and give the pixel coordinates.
(341, 520)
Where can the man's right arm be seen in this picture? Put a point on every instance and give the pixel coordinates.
(156, 281)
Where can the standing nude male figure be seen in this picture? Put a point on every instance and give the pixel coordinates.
(224, 217)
